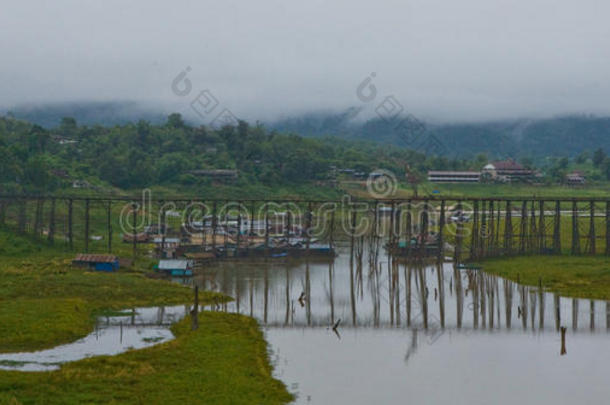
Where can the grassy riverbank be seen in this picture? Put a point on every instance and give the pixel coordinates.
(45, 302)
(571, 276)
(224, 362)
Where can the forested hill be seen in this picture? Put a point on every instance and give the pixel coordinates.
(562, 136)
(141, 154)
(533, 138)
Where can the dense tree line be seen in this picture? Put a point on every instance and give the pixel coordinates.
(140, 154)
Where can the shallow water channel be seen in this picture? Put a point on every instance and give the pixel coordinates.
(136, 329)
(427, 334)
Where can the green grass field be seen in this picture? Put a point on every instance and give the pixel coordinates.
(224, 362)
(570, 276)
(45, 302)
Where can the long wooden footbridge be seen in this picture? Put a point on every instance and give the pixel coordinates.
(465, 227)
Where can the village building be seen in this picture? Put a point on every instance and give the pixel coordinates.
(576, 178)
(176, 267)
(216, 174)
(507, 171)
(437, 176)
(96, 262)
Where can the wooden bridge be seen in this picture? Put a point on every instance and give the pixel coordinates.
(465, 227)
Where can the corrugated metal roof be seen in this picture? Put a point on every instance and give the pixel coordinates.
(92, 258)
(173, 264)
(452, 173)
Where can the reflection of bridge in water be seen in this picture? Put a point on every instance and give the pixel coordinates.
(387, 294)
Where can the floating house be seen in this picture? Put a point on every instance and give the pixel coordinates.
(108, 263)
(176, 267)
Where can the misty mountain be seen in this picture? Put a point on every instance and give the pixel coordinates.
(536, 138)
(560, 136)
(87, 113)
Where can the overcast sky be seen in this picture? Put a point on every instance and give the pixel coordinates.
(442, 59)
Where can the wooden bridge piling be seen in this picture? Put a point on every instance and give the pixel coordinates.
(508, 230)
(591, 241)
(557, 229)
(575, 230)
(51, 233)
(70, 224)
(87, 227)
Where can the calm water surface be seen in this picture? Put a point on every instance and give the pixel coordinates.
(428, 334)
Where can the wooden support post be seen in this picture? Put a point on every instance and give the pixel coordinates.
(238, 239)
(21, 224)
(309, 220)
(70, 223)
(541, 227)
(288, 225)
(508, 230)
(391, 236)
(195, 311)
(252, 212)
(492, 232)
(225, 238)
(134, 225)
(51, 234)
(424, 228)
(607, 228)
(557, 229)
(474, 234)
(331, 238)
(87, 226)
(532, 239)
(409, 225)
(214, 225)
(592, 229)
(441, 228)
(459, 235)
(575, 230)
(163, 229)
(483, 233)
(266, 226)
(109, 224)
(3, 204)
(352, 232)
(523, 231)
(38, 217)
